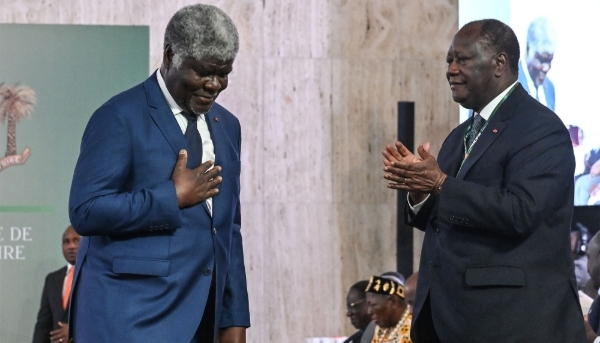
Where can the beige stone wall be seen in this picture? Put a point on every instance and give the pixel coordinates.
(315, 87)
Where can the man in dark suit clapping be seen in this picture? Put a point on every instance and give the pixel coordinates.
(52, 320)
(495, 207)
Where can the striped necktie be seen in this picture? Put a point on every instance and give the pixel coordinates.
(476, 126)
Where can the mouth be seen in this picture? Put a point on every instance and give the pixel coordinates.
(205, 98)
(454, 85)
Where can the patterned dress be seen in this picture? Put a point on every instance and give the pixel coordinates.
(398, 334)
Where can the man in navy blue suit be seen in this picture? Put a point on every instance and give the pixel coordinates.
(155, 195)
(496, 260)
(539, 53)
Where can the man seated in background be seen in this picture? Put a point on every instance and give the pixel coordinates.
(388, 309)
(593, 317)
(52, 320)
(356, 306)
(586, 183)
(579, 242)
(410, 290)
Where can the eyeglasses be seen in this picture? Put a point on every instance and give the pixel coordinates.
(352, 306)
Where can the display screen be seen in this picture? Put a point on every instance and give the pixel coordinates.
(557, 51)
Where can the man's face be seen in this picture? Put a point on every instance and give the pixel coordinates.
(381, 310)
(470, 69)
(356, 310)
(538, 65)
(196, 84)
(70, 245)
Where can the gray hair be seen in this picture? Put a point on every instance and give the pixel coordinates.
(202, 31)
(541, 36)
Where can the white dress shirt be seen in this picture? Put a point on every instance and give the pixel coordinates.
(208, 148)
(485, 113)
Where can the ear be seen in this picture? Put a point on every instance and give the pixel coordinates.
(500, 64)
(168, 55)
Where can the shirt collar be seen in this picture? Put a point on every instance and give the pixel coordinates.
(486, 112)
(163, 87)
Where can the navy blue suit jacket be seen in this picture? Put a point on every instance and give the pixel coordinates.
(496, 260)
(144, 266)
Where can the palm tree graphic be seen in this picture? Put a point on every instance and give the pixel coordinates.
(16, 103)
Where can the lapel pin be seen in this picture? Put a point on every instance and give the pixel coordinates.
(217, 119)
(495, 131)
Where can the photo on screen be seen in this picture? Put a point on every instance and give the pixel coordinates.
(556, 69)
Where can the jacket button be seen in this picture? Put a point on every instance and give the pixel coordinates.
(207, 271)
(437, 231)
(430, 263)
(214, 231)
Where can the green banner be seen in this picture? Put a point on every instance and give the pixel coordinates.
(52, 78)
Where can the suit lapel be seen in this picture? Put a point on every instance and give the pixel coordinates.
(493, 130)
(487, 137)
(220, 143)
(162, 115)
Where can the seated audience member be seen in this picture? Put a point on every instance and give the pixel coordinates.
(410, 290)
(396, 276)
(386, 305)
(52, 320)
(585, 184)
(593, 254)
(579, 241)
(356, 306)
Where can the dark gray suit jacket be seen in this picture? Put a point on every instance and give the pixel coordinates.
(51, 310)
(496, 261)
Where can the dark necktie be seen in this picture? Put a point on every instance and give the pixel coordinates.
(194, 141)
(476, 126)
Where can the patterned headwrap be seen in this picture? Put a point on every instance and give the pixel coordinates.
(379, 285)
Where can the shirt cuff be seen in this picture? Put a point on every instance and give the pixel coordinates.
(597, 340)
(415, 208)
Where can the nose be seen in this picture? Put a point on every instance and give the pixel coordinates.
(213, 83)
(348, 313)
(545, 67)
(452, 69)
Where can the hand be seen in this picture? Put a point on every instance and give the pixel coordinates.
(234, 334)
(61, 334)
(400, 154)
(589, 332)
(193, 186)
(419, 177)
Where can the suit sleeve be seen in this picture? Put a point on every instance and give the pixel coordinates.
(235, 297)
(43, 325)
(537, 182)
(101, 202)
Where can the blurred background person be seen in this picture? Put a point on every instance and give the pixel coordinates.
(541, 44)
(593, 255)
(388, 309)
(410, 290)
(356, 310)
(53, 317)
(588, 181)
(579, 244)
(579, 149)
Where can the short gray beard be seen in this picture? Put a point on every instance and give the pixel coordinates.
(189, 105)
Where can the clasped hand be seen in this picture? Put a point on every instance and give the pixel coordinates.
(417, 175)
(193, 186)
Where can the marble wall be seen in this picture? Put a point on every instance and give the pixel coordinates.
(315, 87)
